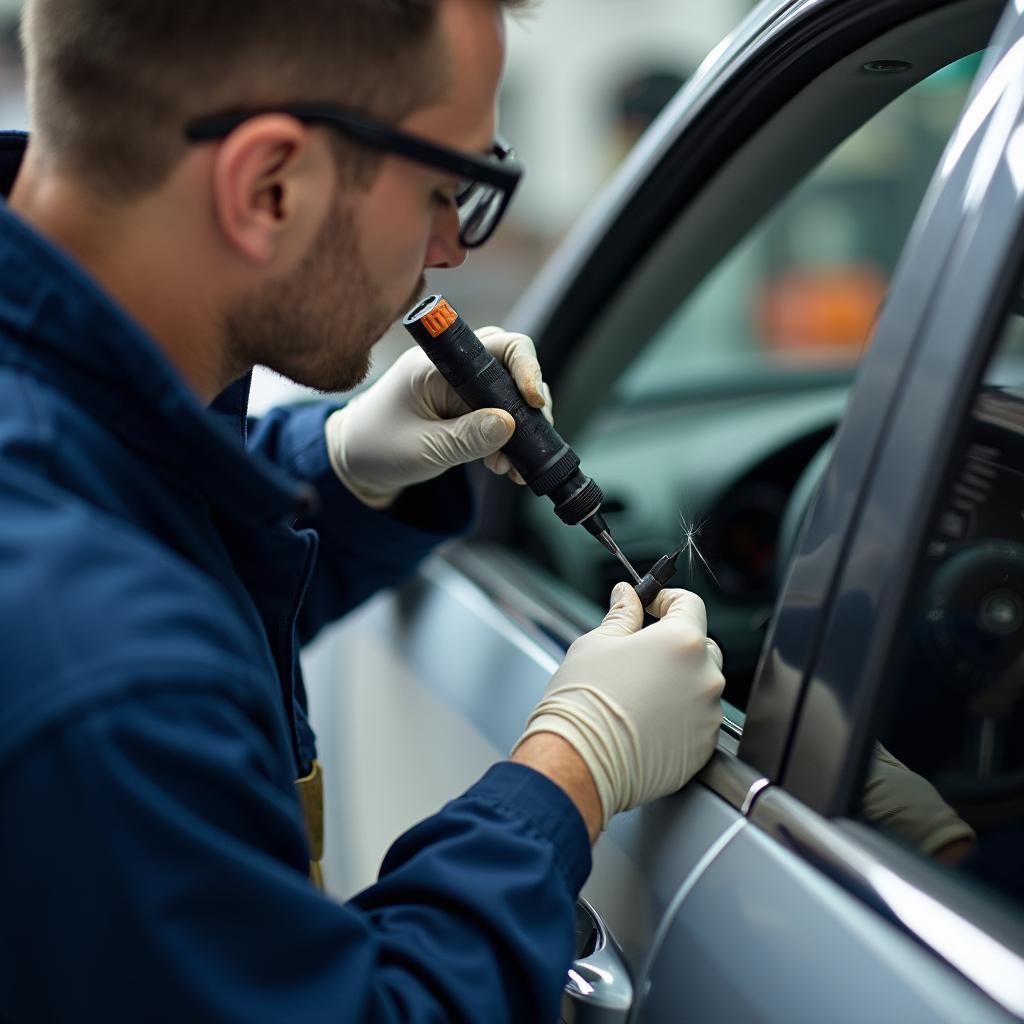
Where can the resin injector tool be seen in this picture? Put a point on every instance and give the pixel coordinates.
(538, 452)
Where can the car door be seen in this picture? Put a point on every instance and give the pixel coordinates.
(918, 632)
(443, 674)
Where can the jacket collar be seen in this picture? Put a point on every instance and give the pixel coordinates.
(55, 320)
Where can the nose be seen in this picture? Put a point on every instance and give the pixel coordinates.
(444, 250)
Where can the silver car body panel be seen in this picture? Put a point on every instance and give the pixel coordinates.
(687, 873)
(765, 938)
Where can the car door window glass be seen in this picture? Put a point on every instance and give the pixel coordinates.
(802, 292)
(712, 425)
(947, 773)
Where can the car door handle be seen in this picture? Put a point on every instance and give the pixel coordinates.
(599, 989)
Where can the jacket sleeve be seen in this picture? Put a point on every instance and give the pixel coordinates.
(158, 874)
(361, 550)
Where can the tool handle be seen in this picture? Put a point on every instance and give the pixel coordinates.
(657, 579)
(536, 449)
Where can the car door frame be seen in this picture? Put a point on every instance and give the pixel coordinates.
(947, 305)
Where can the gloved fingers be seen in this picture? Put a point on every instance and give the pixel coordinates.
(911, 806)
(625, 616)
(518, 354)
(883, 756)
(549, 406)
(680, 605)
(468, 438)
(434, 397)
(497, 336)
(418, 386)
(498, 463)
(412, 364)
(715, 652)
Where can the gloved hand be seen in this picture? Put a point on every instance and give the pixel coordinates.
(910, 805)
(640, 706)
(410, 426)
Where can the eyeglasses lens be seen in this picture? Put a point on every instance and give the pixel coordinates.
(479, 207)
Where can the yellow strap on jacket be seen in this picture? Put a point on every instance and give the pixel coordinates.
(311, 793)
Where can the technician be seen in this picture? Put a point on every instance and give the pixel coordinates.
(160, 569)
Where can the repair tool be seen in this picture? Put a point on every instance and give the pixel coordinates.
(538, 452)
(661, 572)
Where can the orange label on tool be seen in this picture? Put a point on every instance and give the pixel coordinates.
(439, 319)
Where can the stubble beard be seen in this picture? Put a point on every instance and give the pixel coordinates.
(318, 325)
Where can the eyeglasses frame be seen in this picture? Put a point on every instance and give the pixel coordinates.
(504, 176)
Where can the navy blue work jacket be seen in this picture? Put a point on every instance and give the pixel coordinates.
(157, 576)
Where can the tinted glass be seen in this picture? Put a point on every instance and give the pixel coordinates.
(713, 425)
(801, 293)
(947, 775)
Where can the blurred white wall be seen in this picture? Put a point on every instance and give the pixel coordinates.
(568, 59)
(12, 103)
(569, 62)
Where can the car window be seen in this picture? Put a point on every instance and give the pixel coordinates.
(801, 293)
(712, 426)
(946, 775)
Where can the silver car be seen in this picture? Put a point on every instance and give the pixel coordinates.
(851, 473)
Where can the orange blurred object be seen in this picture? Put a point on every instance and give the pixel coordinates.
(832, 309)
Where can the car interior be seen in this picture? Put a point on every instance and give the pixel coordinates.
(956, 711)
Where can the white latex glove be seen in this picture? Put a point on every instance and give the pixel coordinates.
(910, 805)
(640, 706)
(410, 426)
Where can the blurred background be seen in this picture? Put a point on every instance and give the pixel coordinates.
(584, 78)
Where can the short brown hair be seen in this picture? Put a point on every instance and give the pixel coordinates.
(112, 83)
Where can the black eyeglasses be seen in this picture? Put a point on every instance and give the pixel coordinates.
(485, 185)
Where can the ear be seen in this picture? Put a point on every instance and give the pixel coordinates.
(273, 182)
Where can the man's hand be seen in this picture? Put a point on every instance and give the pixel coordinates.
(640, 707)
(909, 805)
(410, 426)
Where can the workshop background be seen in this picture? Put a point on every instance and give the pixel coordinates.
(584, 78)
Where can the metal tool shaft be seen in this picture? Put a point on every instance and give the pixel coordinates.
(606, 539)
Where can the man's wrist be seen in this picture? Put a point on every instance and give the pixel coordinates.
(556, 759)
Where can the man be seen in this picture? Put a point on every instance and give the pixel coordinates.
(158, 578)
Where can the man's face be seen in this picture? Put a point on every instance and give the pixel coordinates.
(365, 269)
(317, 324)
